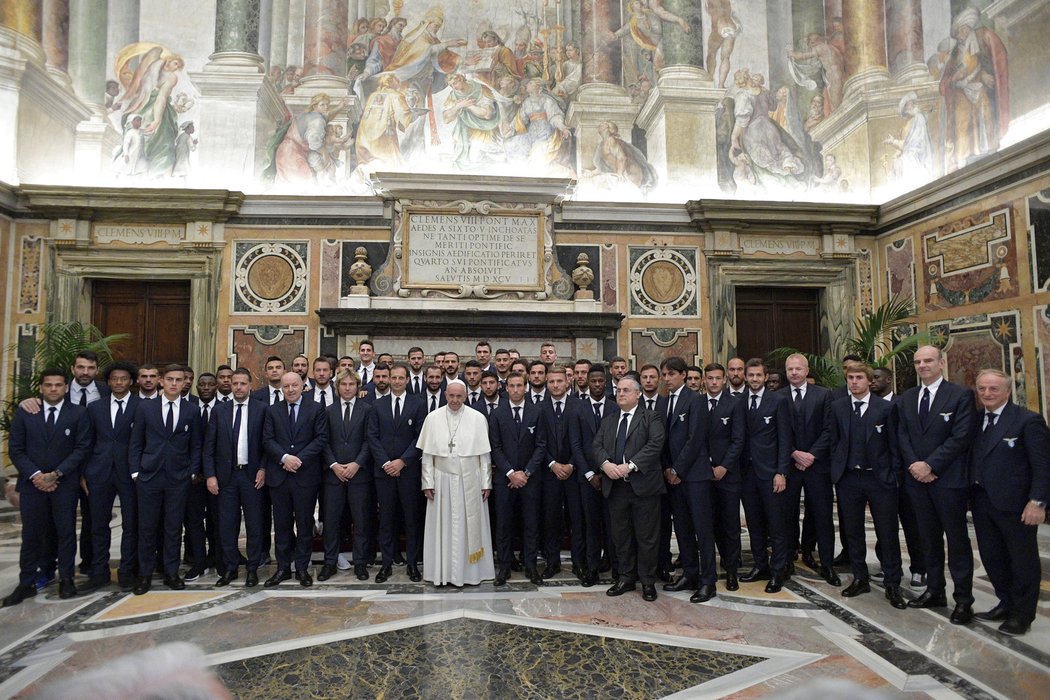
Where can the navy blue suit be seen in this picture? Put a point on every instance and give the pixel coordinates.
(596, 530)
(865, 472)
(429, 402)
(164, 461)
(560, 495)
(810, 431)
(107, 475)
(266, 395)
(767, 453)
(347, 445)
(517, 448)
(1010, 466)
(33, 447)
(726, 432)
(942, 441)
(294, 494)
(237, 492)
(389, 440)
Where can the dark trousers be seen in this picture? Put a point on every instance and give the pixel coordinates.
(358, 498)
(237, 497)
(267, 520)
(694, 528)
(102, 494)
(1010, 555)
(592, 525)
(506, 524)
(293, 520)
(725, 502)
(561, 507)
(664, 560)
(162, 504)
(399, 499)
(819, 509)
(767, 523)
(196, 533)
(37, 508)
(635, 532)
(857, 489)
(87, 554)
(942, 514)
(912, 539)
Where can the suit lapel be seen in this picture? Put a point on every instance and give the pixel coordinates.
(994, 435)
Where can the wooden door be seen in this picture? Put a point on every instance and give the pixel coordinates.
(155, 314)
(771, 317)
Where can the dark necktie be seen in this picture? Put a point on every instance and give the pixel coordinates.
(51, 419)
(291, 419)
(169, 422)
(473, 397)
(83, 396)
(324, 399)
(621, 439)
(990, 420)
(364, 376)
(346, 416)
(714, 403)
(517, 415)
(798, 399)
(433, 404)
(276, 395)
(857, 407)
(536, 398)
(649, 403)
(754, 401)
(924, 404)
(237, 431)
(597, 414)
(415, 384)
(557, 409)
(120, 412)
(492, 407)
(206, 412)
(397, 409)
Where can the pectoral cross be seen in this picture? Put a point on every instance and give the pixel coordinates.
(451, 443)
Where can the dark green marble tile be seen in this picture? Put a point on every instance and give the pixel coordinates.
(468, 658)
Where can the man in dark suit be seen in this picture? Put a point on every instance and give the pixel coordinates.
(379, 385)
(106, 476)
(393, 429)
(767, 462)
(582, 429)
(628, 450)
(164, 452)
(483, 356)
(273, 370)
(726, 431)
(934, 432)
(1010, 470)
(687, 471)
(433, 396)
(322, 389)
(472, 372)
(201, 525)
(295, 433)
(490, 394)
(561, 495)
(348, 476)
(864, 467)
(517, 434)
(48, 449)
(810, 454)
(233, 466)
(417, 374)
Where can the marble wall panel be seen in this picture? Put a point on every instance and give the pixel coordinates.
(331, 273)
(980, 342)
(1041, 332)
(865, 275)
(609, 281)
(270, 277)
(1039, 239)
(654, 345)
(567, 255)
(29, 275)
(251, 345)
(900, 268)
(377, 253)
(970, 260)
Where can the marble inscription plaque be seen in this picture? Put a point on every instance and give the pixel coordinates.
(446, 249)
(142, 235)
(774, 245)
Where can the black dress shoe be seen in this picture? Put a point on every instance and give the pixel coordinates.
(381, 576)
(731, 581)
(893, 594)
(962, 614)
(66, 589)
(841, 559)
(664, 575)
(143, 585)
(174, 583)
(604, 565)
(929, 600)
(1014, 627)
(94, 583)
(252, 579)
(328, 571)
(226, 578)
(776, 582)
(551, 570)
(703, 594)
(620, 587)
(997, 614)
(682, 583)
(649, 592)
(859, 586)
(579, 573)
(19, 594)
(361, 572)
(829, 575)
(502, 575)
(399, 560)
(756, 574)
(304, 578)
(194, 573)
(808, 560)
(126, 582)
(279, 577)
(414, 574)
(589, 579)
(534, 577)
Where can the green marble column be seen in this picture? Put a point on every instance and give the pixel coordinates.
(682, 48)
(87, 49)
(237, 26)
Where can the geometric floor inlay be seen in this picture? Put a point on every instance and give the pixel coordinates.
(472, 658)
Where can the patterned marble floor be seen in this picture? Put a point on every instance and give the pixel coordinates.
(402, 639)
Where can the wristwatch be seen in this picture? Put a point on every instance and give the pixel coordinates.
(1038, 504)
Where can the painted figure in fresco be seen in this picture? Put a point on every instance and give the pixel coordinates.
(384, 46)
(832, 174)
(725, 27)
(493, 60)
(645, 29)
(385, 115)
(914, 148)
(293, 75)
(134, 160)
(541, 135)
(334, 145)
(618, 162)
(471, 109)
(185, 143)
(571, 74)
(299, 155)
(148, 93)
(413, 141)
(508, 97)
(816, 112)
(356, 57)
(821, 60)
(975, 89)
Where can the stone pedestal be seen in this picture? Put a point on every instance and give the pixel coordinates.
(679, 122)
(596, 103)
(96, 139)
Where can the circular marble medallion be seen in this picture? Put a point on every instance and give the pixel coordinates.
(270, 277)
(664, 283)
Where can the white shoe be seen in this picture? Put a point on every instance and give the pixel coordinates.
(342, 563)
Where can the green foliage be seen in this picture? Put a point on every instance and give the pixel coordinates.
(57, 345)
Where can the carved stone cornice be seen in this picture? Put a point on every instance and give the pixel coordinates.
(429, 186)
(711, 215)
(120, 204)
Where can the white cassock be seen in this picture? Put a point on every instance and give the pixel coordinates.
(457, 541)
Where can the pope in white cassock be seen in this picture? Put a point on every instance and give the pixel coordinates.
(457, 479)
